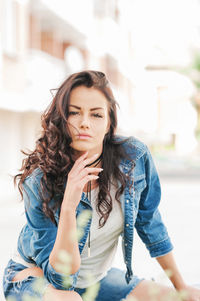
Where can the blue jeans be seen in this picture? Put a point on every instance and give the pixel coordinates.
(112, 287)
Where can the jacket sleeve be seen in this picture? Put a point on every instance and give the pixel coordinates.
(149, 224)
(42, 235)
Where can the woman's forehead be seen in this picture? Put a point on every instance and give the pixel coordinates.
(88, 97)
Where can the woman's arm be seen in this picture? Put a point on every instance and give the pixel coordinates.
(168, 264)
(149, 224)
(66, 238)
(41, 240)
(153, 232)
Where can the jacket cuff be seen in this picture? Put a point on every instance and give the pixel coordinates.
(59, 280)
(160, 248)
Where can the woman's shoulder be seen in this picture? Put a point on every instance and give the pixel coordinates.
(133, 146)
(32, 189)
(33, 179)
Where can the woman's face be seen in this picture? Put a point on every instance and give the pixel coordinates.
(88, 119)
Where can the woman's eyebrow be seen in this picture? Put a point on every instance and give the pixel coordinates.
(92, 109)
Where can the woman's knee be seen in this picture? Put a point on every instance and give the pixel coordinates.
(52, 294)
(147, 290)
(35, 271)
(77, 297)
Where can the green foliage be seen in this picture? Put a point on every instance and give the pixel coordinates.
(91, 292)
(64, 266)
(10, 299)
(193, 71)
(82, 221)
(30, 298)
(39, 285)
(130, 298)
(196, 62)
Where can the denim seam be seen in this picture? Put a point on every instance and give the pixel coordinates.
(158, 242)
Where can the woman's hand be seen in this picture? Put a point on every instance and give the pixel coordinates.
(78, 176)
(193, 294)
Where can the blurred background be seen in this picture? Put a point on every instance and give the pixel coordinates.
(150, 52)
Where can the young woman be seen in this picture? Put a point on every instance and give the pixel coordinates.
(79, 164)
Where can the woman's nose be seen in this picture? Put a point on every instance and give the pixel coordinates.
(85, 123)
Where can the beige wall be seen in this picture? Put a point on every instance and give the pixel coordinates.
(18, 130)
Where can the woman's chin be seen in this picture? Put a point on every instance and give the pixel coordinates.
(81, 146)
(84, 147)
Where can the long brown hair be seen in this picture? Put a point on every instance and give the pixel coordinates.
(53, 154)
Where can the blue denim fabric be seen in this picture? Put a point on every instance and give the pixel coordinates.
(112, 287)
(20, 289)
(139, 205)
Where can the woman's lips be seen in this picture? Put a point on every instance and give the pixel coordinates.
(84, 137)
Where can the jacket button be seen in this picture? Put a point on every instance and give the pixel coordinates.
(81, 244)
(127, 201)
(126, 245)
(127, 225)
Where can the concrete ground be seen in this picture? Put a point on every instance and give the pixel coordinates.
(180, 208)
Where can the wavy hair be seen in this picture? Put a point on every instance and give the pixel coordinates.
(53, 154)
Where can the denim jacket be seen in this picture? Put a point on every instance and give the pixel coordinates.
(139, 206)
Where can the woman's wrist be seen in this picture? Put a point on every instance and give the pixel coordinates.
(168, 263)
(65, 208)
(178, 282)
(180, 286)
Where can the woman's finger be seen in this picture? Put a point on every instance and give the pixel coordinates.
(77, 163)
(86, 179)
(89, 160)
(81, 158)
(88, 170)
(82, 163)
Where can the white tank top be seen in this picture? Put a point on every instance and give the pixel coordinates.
(103, 243)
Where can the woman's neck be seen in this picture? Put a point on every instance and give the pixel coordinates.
(96, 163)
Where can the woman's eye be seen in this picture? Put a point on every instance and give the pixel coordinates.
(97, 115)
(73, 113)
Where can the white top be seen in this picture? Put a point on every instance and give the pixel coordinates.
(103, 243)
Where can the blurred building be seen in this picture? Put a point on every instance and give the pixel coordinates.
(43, 41)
